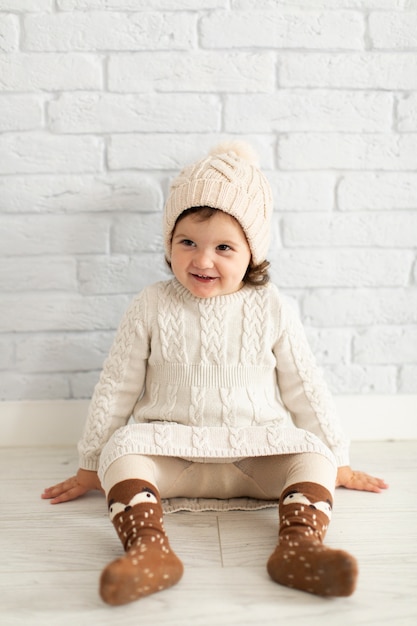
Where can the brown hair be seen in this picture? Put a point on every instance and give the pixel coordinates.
(256, 275)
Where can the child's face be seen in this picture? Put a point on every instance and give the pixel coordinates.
(210, 257)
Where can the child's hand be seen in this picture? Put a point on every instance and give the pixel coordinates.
(347, 477)
(73, 487)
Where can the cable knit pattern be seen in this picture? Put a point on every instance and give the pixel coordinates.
(227, 397)
(212, 341)
(171, 325)
(196, 411)
(253, 336)
(210, 379)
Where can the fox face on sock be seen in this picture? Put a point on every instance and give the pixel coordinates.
(126, 499)
(295, 497)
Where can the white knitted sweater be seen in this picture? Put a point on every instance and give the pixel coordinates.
(210, 379)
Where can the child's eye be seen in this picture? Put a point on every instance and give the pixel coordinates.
(187, 242)
(223, 247)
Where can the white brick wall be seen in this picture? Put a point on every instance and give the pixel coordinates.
(102, 101)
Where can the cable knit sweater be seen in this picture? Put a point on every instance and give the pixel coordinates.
(211, 379)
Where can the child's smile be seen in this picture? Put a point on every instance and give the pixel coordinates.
(204, 278)
(210, 257)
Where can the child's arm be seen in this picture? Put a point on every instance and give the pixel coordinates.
(307, 397)
(120, 384)
(347, 477)
(73, 487)
(119, 387)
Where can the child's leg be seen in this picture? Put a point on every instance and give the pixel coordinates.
(300, 559)
(135, 509)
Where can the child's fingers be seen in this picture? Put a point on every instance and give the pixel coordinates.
(70, 494)
(62, 492)
(365, 482)
(50, 492)
(72, 488)
(359, 481)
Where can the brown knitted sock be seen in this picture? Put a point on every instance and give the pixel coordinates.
(301, 560)
(149, 564)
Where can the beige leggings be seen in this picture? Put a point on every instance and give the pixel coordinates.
(262, 478)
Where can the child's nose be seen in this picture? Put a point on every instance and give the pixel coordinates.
(203, 259)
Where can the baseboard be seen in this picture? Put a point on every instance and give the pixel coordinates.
(42, 422)
(60, 422)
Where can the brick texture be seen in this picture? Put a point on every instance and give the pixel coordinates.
(102, 102)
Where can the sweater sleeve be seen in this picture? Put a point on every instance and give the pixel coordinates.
(303, 389)
(120, 385)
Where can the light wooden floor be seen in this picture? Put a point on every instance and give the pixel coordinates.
(51, 557)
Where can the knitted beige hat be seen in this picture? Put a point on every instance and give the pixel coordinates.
(228, 179)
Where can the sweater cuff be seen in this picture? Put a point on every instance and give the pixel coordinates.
(342, 457)
(89, 463)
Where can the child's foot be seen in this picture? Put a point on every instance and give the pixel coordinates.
(312, 567)
(146, 568)
(149, 564)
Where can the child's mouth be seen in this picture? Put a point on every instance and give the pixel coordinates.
(203, 278)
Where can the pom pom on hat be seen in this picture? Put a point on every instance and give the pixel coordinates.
(241, 149)
(227, 179)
